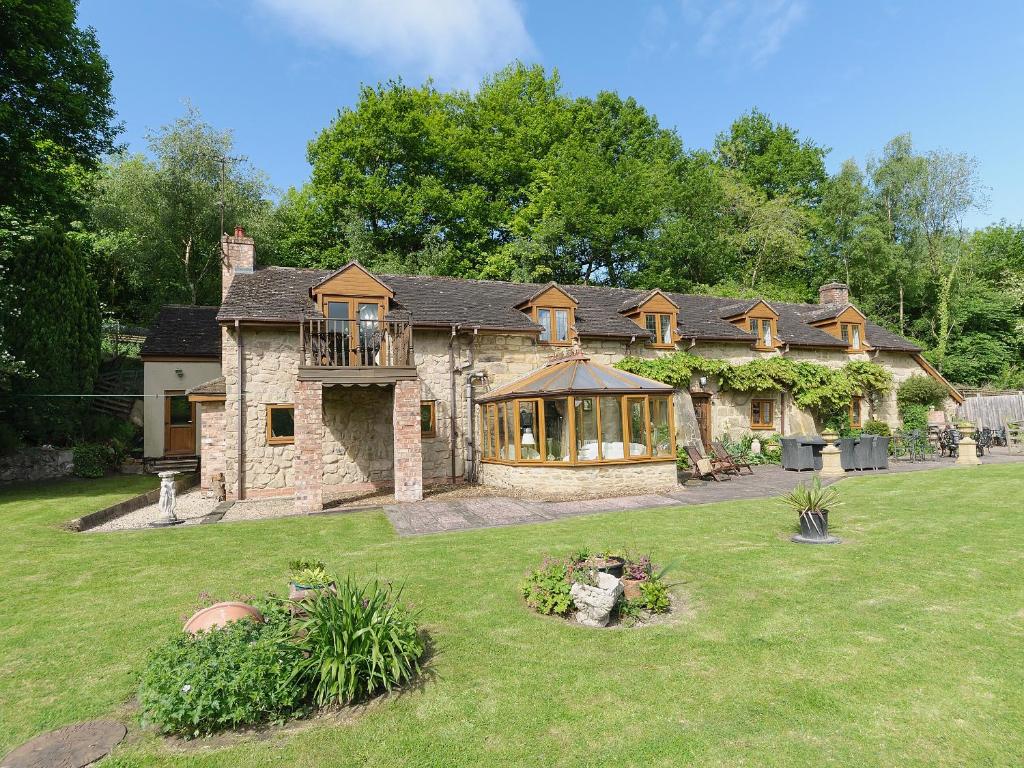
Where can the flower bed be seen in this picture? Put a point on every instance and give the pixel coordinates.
(598, 588)
(331, 647)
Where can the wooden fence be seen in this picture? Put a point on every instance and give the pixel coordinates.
(992, 410)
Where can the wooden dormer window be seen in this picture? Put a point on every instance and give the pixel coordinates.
(660, 325)
(763, 329)
(852, 334)
(657, 314)
(555, 324)
(554, 311)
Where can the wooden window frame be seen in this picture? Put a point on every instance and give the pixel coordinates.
(490, 411)
(768, 423)
(432, 432)
(859, 423)
(552, 325)
(271, 440)
(755, 326)
(849, 328)
(672, 322)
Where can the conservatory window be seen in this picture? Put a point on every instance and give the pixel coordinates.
(637, 416)
(586, 429)
(529, 435)
(611, 428)
(556, 430)
(661, 436)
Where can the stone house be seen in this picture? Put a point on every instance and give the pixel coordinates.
(339, 381)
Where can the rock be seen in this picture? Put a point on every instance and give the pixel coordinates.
(594, 604)
(73, 746)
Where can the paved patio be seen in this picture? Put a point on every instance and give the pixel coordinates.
(425, 517)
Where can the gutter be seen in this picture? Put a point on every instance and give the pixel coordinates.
(453, 400)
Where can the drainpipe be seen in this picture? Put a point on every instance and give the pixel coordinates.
(453, 400)
(470, 435)
(240, 490)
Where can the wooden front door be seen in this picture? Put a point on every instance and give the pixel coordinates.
(179, 424)
(702, 410)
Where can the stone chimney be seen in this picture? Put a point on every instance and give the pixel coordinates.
(834, 293)
(239, 258)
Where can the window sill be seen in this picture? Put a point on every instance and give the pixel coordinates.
(282, 441)
(555, 343)
(762, 426)
(660, 346)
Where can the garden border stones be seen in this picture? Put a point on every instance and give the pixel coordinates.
(93, 519)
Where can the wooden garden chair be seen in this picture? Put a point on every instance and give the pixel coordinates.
(701, 466)
(725, 457)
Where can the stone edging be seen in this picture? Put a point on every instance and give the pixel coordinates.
(93, 519)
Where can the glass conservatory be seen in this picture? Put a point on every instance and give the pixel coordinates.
(575, 412)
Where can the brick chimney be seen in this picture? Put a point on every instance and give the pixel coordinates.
(239, 258)
(834, 293)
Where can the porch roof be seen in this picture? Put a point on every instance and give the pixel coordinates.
(577, 374)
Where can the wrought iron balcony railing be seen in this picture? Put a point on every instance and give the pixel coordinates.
(328, 343)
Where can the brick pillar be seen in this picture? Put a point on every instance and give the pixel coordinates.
(213, 457)
(408, 448)
(308, 466)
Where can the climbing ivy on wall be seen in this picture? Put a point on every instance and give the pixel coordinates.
(815, 387)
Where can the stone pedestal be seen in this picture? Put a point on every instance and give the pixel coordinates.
(968, 454)
(309, 439)
(831, 457)
(594, 604)
(408, 442)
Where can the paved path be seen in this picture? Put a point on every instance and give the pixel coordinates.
(487, 512)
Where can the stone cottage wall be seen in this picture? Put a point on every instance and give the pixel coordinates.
(358, 445)
(271, 366)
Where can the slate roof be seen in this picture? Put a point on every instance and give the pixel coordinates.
(183, 331)
(211, 387)
(281, 294)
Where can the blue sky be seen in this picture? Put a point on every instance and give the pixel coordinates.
(850, 75)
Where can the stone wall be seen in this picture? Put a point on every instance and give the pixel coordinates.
(213, 461)
(647, 477)
(36, 464)
(358, 444)
(270, 368)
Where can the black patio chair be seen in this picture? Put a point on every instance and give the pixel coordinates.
(864, 452)
(881, 451)
(848, 453)
(796, 455)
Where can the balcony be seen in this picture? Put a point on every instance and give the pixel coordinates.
(353, 352)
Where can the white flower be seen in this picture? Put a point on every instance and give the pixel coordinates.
(186, 688)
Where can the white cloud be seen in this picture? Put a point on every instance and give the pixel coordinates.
(753, 29)
(456, 41)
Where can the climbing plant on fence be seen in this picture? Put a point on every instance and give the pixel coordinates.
(815, 387)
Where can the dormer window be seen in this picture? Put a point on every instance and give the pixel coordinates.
(763, 329)
(657, 314)
(852, 334)
(554, 323)
(554, 311)
(659, 324)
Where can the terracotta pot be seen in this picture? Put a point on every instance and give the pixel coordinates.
(631, 588)
(220, 614)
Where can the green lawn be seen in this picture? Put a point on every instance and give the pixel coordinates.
(903, 646)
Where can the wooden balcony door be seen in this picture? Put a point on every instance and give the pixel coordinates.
(179, 424)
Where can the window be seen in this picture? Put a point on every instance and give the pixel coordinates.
(280, 424)
(554, 325)
(180, 410)
(762, 414)
(851, 333)
(856, 417)
(660, 327)
(428, 418)
(582, 430)
(763, 329)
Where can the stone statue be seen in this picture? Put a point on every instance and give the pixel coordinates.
(167, 501)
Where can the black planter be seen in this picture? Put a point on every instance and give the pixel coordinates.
(814, 529)
(611, 565)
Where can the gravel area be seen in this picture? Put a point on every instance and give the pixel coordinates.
(190, 507)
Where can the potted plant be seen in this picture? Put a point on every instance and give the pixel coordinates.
(634, 573)
(605, 562)
(812, 504)
(308, 578)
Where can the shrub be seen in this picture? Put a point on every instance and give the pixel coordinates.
(309, 573)
(355, 643)
(547, 589)
(91, 460)
(921, 390)
(240, 675)
(914, 417)
(654, 595)
(876, 427)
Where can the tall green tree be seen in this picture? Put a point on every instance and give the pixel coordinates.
(55, 333)
(56, 111)
(158, 219)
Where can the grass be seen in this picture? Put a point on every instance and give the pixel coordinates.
(902, 646)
